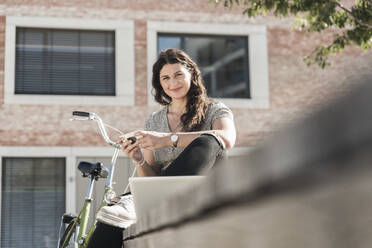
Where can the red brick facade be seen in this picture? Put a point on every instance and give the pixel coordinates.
(295, 89)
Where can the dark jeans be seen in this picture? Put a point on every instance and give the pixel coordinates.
(199, 156)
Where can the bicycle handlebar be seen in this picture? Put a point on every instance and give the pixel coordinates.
(95, 117)
(81, 113)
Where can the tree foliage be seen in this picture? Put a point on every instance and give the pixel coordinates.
(351, 25)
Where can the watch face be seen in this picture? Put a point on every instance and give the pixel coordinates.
(174, 138)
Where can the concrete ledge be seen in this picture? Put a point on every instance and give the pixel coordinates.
(330, 215)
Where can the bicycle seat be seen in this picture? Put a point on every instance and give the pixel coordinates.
(94, 169)
(67, 218)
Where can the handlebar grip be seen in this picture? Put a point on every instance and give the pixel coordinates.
(81, 113)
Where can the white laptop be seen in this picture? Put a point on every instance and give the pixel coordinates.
(150, 191)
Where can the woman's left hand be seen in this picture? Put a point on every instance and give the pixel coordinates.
(151, 140)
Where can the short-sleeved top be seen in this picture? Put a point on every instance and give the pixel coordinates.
(158, 121)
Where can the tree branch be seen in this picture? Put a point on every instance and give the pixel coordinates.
(369, 26)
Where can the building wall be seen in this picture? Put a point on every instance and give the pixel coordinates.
(295, 89)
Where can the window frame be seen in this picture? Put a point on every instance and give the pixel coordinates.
(257, 52)
(71, 154)
(124, 60)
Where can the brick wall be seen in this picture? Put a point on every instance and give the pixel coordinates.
(2, 45)
(295, 89)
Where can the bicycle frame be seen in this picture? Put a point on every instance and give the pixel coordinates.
(108, 190)
(80, 223)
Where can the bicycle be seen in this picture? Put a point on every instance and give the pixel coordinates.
(75, 234)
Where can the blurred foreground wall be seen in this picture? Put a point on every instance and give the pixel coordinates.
(307, 186)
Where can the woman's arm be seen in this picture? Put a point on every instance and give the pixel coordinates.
(225, 129)
(222, 127)
(144, 161)
(149, 168)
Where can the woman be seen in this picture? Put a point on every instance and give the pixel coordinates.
(187, 114)
(185, 137)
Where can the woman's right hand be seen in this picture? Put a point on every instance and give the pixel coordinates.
(133, 151)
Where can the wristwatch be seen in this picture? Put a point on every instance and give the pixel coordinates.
(174, 139)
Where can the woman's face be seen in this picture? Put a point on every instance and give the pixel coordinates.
(175, 80)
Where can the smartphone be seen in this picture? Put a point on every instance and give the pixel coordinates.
(132, 139)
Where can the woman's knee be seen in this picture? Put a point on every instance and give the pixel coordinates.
(206, 145)
(208, 140)
(200, 154)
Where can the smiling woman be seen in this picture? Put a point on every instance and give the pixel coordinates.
(189, 135)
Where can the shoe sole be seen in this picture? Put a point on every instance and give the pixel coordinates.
(114, 221)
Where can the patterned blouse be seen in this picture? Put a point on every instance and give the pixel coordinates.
(158, 121)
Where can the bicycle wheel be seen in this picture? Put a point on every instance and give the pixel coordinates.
(68, 237)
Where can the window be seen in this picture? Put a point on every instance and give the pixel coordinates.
(223, 61)
(36, 165)
(232, 58)
(69, 61)
(33, 201)
(65, 62)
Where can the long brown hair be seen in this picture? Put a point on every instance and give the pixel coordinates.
(197, 99)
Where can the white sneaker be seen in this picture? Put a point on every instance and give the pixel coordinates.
(122, 214)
